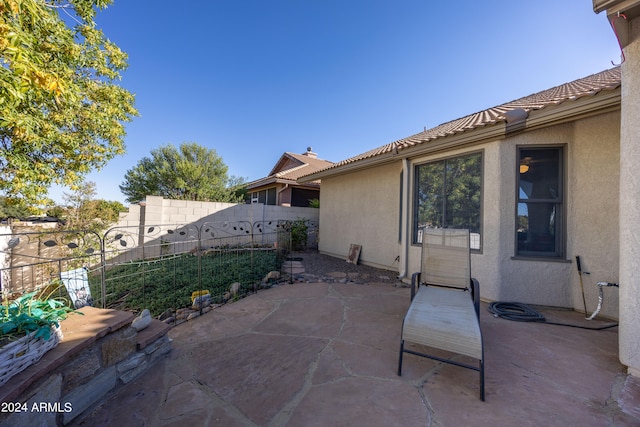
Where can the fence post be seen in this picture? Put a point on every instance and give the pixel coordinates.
(199, 255)
(103, 267)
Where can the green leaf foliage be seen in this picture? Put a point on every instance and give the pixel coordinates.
(190, 172)
(170, 282)
(62, 112)
(86, 213)
(9, 209)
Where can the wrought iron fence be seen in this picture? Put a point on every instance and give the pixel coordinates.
(158, 267)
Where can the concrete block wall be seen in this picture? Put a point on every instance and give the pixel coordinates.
(156, 210)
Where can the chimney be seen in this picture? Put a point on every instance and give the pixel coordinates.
(310, 153)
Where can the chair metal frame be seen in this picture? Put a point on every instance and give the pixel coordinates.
(454, 285)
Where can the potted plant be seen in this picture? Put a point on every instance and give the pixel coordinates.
(29, 327)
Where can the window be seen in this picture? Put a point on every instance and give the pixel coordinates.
(301, 196)
(448, 195)
(267, 197)
(540, 202)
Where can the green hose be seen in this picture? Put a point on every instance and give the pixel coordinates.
(523, 313)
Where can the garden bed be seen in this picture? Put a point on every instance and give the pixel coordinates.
(163, 283)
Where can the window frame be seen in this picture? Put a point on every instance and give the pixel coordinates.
(415, 229)
(266, 196)
(560, 206)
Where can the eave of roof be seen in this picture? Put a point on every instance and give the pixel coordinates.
(306, 165)
(269, 180)
(550, 106)
(614, 6)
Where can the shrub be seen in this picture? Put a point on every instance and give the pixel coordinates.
(299, 230)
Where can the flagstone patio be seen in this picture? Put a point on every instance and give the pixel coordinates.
(326, 354)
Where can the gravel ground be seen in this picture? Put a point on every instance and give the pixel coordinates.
(328, 268)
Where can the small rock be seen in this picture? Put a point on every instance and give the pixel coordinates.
(142, 321)
(193, 316)
(183, 315)
(272, 275)
(338, 274)
(130, 363)
(169, 320)
(166, 314)
(201, 302)
(234, 288)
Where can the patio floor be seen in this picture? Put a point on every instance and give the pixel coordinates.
(326, 354)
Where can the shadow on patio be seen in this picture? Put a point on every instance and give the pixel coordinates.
(326, 354)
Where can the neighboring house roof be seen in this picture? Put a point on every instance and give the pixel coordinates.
(628, 7)
(290, 167)
(510, 112)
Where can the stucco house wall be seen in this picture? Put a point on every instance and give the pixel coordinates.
(593, 216)
(629, 337)
(602, 189)
(362, 208)
(592, 179)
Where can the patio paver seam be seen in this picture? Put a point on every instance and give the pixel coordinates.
(285, 414)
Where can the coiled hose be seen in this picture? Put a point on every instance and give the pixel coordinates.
(515, 311)
(524, 313)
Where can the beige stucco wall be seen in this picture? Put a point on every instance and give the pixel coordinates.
(591, 200)
(629, 337)
(362, 208)
(592, 226)
(501, 277)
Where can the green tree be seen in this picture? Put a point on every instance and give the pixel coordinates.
(61, 112)
(84, 212)
(190, 172)
(76, 201)
(10, 210)
(107, 210)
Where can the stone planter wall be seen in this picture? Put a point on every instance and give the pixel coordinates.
(100, 352)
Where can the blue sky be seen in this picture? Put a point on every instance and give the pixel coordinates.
(253, 78)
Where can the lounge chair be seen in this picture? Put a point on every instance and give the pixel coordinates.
(445, 302)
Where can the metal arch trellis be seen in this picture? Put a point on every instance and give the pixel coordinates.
(43, 253)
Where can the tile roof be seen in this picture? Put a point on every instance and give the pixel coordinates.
(283, 171)
(587, 86)
(310, 165)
